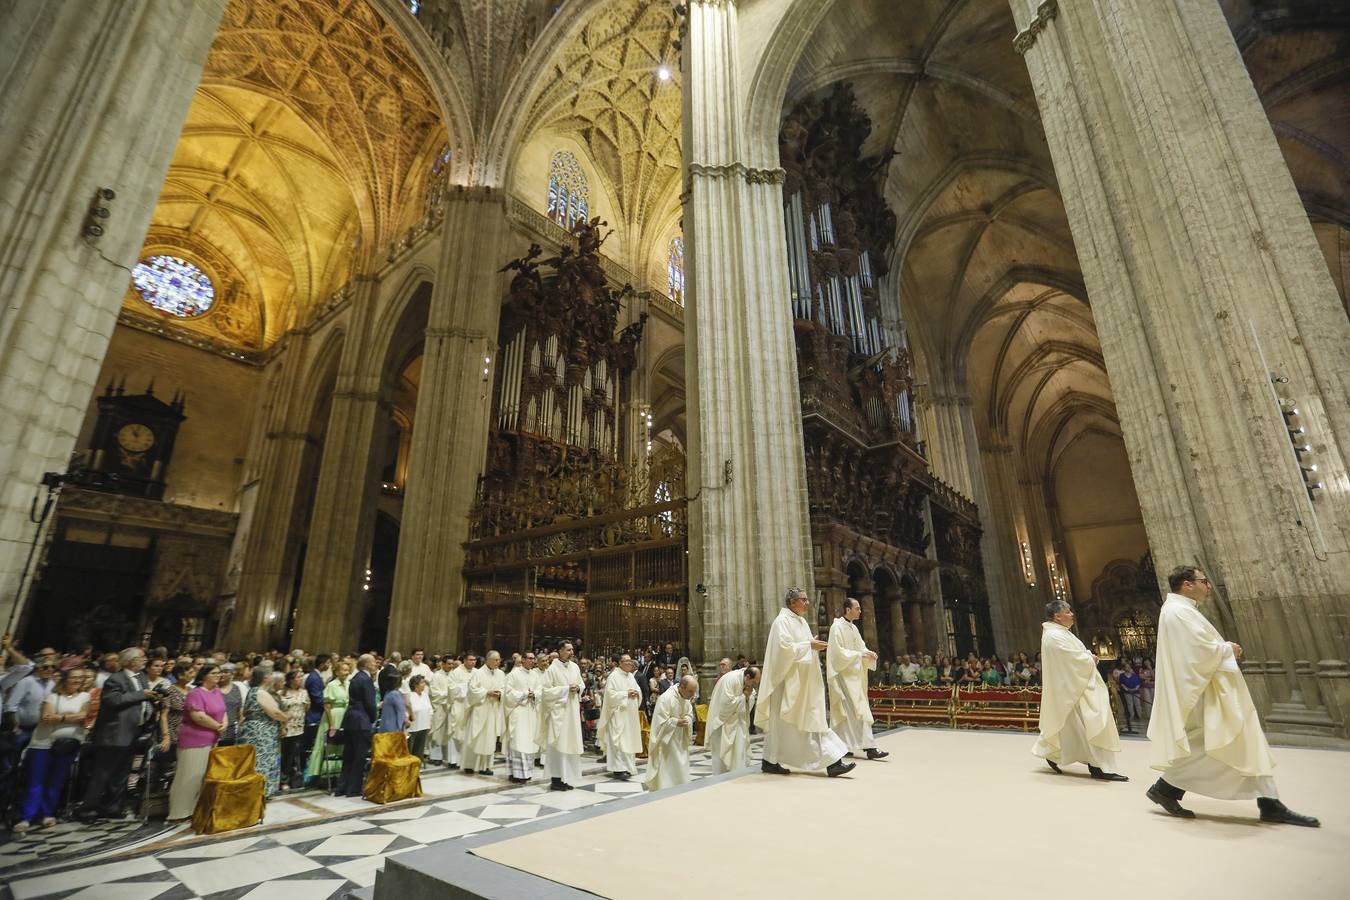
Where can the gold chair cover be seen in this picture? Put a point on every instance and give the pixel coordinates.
(700, 723)
(646, 732)
(233, 793)
(395, 774)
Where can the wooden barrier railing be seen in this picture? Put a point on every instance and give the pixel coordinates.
(957, 706)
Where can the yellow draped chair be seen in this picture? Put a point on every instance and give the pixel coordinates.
(395, 774)
(646, 732)
(700, 723)
(233, 792)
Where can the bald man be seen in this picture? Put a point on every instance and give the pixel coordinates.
(672, 732)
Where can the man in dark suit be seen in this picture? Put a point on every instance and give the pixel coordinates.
(123, 709)
(356, 727)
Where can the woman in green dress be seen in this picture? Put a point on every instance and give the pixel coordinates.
(325, 760)
(261, 726)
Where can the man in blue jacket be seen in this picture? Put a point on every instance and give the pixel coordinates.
(356, 727)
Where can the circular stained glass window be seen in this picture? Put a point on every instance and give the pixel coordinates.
(174, 286)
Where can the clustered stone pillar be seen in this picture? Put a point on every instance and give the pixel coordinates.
(451, 424)
(332, 604)
(748, 531)
(91, 96)
(1208, 290)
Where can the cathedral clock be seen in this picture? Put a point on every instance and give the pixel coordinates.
(133, 441)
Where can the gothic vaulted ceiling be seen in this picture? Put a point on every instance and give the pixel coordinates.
(602, 87)
(309, 139)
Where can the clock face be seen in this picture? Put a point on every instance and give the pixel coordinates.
(135, 438)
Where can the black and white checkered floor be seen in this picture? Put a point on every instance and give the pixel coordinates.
(338, 847)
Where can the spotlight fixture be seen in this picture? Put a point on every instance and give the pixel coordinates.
(93, 228)
(663, 72)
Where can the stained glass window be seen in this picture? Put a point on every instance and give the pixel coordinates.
(174, 286)
(436, 181)
(675, 270)
(568, 192)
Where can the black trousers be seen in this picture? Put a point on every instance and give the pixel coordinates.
(108, 779)
(355, 749)
(293, 761)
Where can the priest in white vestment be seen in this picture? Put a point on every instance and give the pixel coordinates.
(672, 731)
(619, 731)
(847, 662)
(1076, 721)
(441, 748)
(728, 734)
(459, 706)
(791, 707)
(522, 718)
(487, 715)
(1203, 733)
(560, 720)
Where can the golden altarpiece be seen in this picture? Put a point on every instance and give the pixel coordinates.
(574, 532)
(881, 523)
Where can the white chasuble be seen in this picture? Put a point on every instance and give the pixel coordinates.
(487, 715)
(459, 702)
(668, 742)
(791, 707)
(728, 734)
(619, 731)
(846, 668)
(522, 711)
(1204, 735)
(560, 708)
(1076, 721)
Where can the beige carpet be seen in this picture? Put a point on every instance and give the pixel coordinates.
(955, 814)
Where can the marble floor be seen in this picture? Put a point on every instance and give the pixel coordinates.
(309, 846)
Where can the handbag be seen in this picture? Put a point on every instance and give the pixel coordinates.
(66, 746)
(338, 737)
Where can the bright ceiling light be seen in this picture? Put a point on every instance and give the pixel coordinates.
(663, 73)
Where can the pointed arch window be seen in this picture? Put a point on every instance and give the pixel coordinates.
(675, 269)
(568, 192)
(438, 178)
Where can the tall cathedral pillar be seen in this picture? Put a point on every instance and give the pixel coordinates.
(1217, 320)
(450, 434)
(93, 96)
(267, 573)
(748, 531)
(332, 601)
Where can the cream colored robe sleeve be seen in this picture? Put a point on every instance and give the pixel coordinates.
(792, 670)
(846, 667)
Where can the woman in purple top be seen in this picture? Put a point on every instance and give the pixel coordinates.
(203, 722)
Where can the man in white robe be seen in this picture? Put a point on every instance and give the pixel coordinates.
(847, 662)
(791, 707)
(487, 715)
(459, 706)
(1203, 733)
(728, 734)
(522, 718)
(1076, 721)
(672, 731)
(619, 731)
(440, 746)
(419, 665)
(560, 720)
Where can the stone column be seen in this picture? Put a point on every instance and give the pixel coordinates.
(867, 600)
(748, 531)
(451, 424)
(91, 96)
(267, 573)
(1006, 529)
(332, 602)
(1206, 281)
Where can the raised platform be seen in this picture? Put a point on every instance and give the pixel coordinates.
(971, 812)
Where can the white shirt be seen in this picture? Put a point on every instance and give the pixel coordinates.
(419, 711)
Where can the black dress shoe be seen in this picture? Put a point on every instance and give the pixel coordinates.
(485, 772)
(1173, 807)
(1276, 812)
(539, 764)
(1107, 776)
(557, 785)
(621, 776)
(848, 755)
(1058, 770)
(452, 766)
(771, 768)
(839, 767)
(874, 753)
